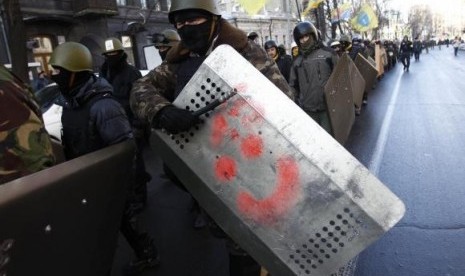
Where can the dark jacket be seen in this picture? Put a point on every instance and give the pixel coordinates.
(406, 47)
(308, 78)
(284, 64)
(121, 77)
(93, 119)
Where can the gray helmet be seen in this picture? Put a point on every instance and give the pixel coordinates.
(112, 44)
(167, 38)
(204, 5)
(72, 56)
(345, 38)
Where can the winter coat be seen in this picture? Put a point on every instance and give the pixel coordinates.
(308, 78)
(121, 77)
(159, 87)
(284, 64)
(92, 119)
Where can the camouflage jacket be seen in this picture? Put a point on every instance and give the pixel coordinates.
(25, 145)
(154, 91)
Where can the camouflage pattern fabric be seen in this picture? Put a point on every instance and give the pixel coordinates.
(25, 145)
(156, 90)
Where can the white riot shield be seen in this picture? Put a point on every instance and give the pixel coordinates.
(273, 179)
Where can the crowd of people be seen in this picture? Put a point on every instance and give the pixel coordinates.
(121, 105)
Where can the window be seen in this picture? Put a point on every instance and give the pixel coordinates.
(121, 2)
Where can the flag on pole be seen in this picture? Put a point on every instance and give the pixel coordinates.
(365, 19)
(252, 7)
(345, 13)
(312, 4)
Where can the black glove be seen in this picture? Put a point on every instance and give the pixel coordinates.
(175, 119)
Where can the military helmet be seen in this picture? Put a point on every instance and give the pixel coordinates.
(180, 5)
(167, 38)
(270, 44)
(72, 56)
(112, 44)
(304, 28)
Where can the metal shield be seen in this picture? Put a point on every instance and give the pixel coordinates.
(273, 179)
(65, 220)
(367, 70)
(340, 99)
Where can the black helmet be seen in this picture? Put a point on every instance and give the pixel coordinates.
(304, 28)
(270, 44)
(208, 6)
(252, 35)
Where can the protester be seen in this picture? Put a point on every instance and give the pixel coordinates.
(201, 29)
(310, 73)
(25, 146)
(92, 119)
(165, 41)
(121, 75)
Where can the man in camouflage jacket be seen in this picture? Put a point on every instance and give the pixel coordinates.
(25, 145)
(160, 87)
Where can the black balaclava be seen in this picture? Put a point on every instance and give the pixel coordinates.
(163, 53)
(67, 82)
(197, 38)
(115, 60)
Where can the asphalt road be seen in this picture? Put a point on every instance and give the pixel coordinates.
(410, 135)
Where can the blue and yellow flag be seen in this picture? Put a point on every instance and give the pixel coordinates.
(343, 13)
(365, 19)
(312, 4)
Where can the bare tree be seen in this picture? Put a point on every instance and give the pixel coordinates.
(420, 19)
(16, 36)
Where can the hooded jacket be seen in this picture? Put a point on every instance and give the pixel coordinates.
(92, 119)
(158, 88)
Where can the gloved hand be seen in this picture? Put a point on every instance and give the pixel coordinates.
(175, 119)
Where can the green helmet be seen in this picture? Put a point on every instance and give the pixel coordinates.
(112, 44)
(167, 38)
(205, 5)
(72, 56)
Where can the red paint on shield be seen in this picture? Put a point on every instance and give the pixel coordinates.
(225, 168)
(219, 130)
(234, 134)
(272, 208)
(236, 107)
(252, 146)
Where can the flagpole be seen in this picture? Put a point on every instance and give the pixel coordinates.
(298, 10)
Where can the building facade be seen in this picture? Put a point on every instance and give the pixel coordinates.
(49, 23)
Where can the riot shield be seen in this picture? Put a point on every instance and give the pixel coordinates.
(339, 95)
(65, 220)
(367, 70)
(273, 179)
(357, 83)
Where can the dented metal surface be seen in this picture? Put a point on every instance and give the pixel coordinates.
(340, 99)
(273, 179)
